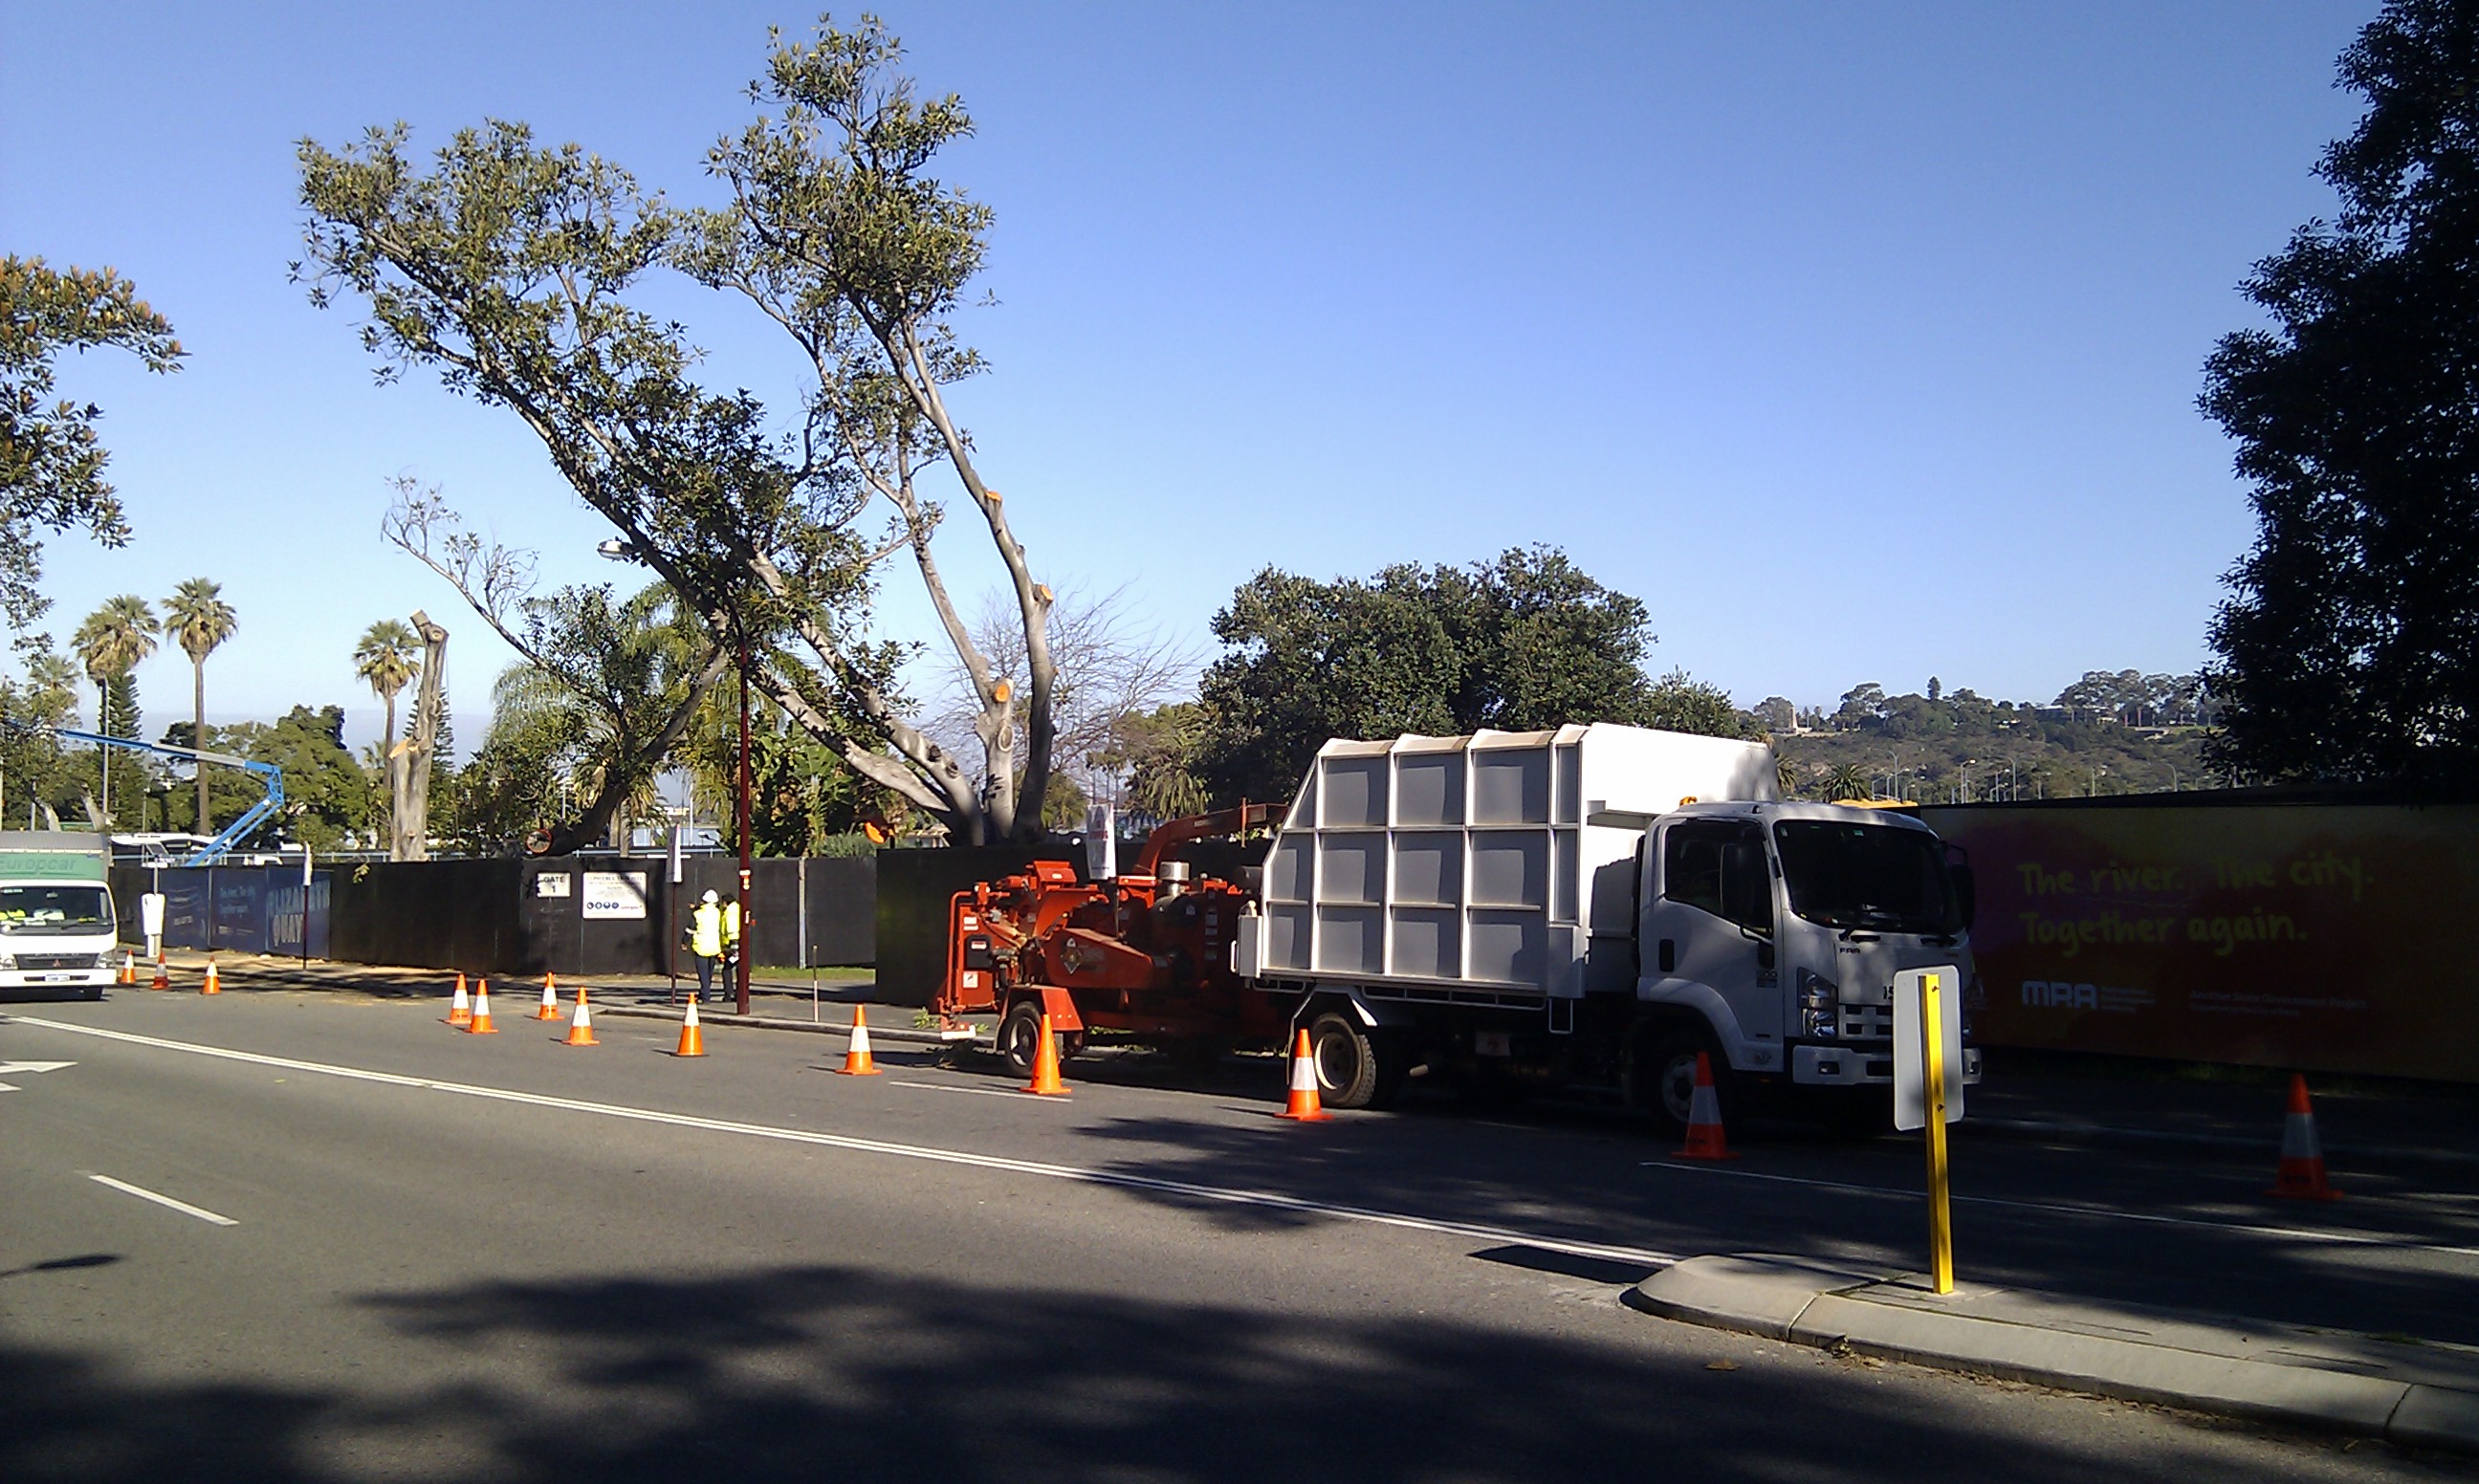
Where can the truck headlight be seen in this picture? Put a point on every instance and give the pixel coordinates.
(7, 962)
(1817, 1000)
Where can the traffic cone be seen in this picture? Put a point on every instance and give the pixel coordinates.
(162, 979)
(482, 1025)
(550, 1009)
(1704, 1141)
(580, 1026)
(1303, 1107)
(460, 1010)
(212, 984)
(129, 969)
(1045, 1063)
(692, 1039)
(857, 1057)
(2301, 1154)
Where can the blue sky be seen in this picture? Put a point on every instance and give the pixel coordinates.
(1860, 342)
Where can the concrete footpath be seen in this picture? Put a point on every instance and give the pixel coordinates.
(2417, 1394)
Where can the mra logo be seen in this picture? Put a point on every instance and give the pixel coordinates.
(2058, 994)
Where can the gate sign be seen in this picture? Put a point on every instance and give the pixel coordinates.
(613, 894)
(1910, 1046)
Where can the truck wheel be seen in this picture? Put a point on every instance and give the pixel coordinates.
(1355, 1067)
(1670, 1074)
(1021, 1032)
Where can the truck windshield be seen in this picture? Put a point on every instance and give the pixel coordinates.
(1867, 875)
(61, 910)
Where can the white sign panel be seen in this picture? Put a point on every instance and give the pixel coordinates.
(552, 884)
(614, 894)
(150, 913)
(1911, 1047)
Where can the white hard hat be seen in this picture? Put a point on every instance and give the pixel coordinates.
(710, 896)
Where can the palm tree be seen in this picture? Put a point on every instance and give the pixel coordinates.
(110, 644)
(1847, 781)
(385, 659)
(198, 619)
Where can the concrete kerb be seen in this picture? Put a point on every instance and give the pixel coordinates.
(722, 1018)
(2083, 1133)
(2423, 1396)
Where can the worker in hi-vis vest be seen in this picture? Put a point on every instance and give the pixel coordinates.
(732, 936)
(705, 941)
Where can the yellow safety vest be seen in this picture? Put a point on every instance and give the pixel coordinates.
(731, 924)
(706, 931)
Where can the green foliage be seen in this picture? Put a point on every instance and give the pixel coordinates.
(51, 458)
(1679, 702)
(1158, 752)
(1525, 642)
(198, 619)
(2106, 734)
(2350, 645)
(325, 791)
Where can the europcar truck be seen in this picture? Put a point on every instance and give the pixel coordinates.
(1599, 903)
(1592, 905)
(56, 927)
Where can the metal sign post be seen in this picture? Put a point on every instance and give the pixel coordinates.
(1927, 1051)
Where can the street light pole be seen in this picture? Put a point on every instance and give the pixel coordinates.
(740, 968)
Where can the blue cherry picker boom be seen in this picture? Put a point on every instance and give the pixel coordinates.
(267, 774)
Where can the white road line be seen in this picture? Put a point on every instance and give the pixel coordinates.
(2051, 1207)
(940, 1087)
(144, 1194)
(1216, 1195)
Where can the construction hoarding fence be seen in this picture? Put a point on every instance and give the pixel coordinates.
(565, 915)
(2315, 936)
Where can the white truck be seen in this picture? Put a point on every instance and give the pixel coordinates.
(57, 927)
(1597, 904)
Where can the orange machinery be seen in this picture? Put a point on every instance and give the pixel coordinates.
(1147, 955)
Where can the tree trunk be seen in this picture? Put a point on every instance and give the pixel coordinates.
(387, 771)
(102, 750)
(198, 738)
(410, 839)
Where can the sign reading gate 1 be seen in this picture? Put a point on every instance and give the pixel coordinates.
(1911, 1047)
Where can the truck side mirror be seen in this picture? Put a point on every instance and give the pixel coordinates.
(1966, 891)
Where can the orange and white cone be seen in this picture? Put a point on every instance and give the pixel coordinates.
(212, 984)
(1704, 1141)
(550, 1009)
(460, 1010)
(163, 979)
(857, 1057)
(2301, 1154)
(691, 1038)
(1303, 1106)
(482, 1025)
(580, 1026)
(1045, 1063)
(129, 969)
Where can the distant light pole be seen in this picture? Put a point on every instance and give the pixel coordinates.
(619, 550)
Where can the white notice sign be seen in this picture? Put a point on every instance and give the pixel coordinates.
(614, 894)
(551, 884)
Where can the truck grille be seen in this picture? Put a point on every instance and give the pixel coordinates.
(1867, 1022)
(58, 961)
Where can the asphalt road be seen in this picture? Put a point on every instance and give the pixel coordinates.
(401, 1252)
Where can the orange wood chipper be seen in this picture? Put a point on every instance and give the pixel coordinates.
(1146, 955)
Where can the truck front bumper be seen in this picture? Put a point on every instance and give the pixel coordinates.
(1865, 1064)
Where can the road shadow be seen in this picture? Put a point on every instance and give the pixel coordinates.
(834, 1373)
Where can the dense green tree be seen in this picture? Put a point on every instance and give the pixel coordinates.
(196, 618)
(1521, 643)
(1679, 702)
(51, 460)
(2350, 644)
(325, 791)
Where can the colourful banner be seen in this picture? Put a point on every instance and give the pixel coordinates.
(2289, 936)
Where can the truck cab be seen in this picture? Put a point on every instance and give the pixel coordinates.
(1769, 937)
(57, 925)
